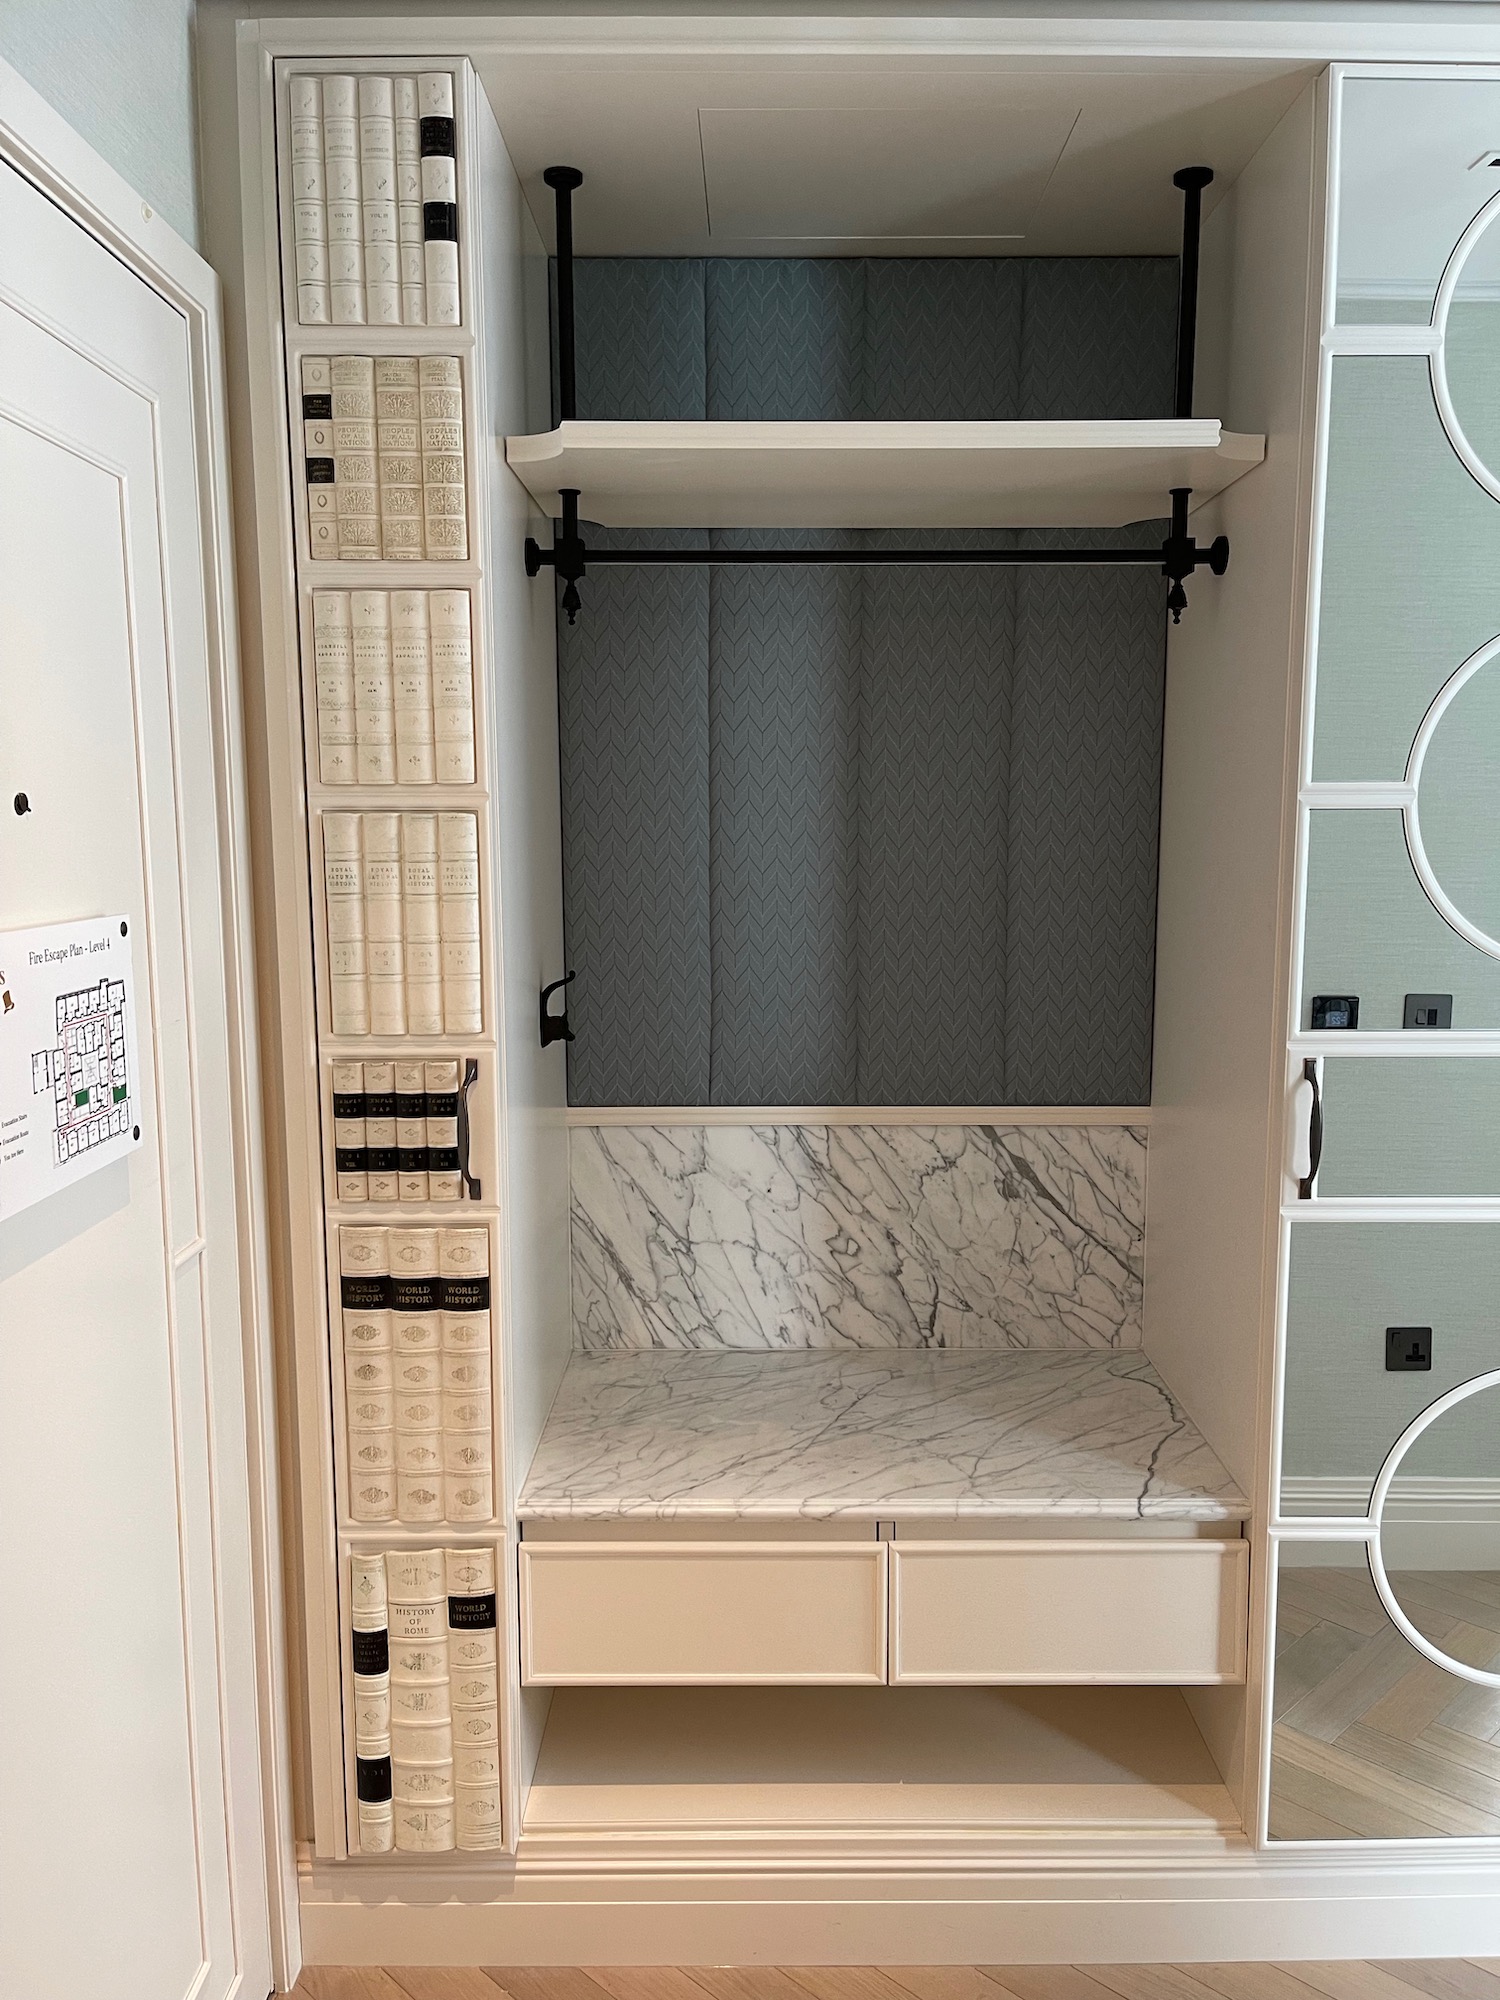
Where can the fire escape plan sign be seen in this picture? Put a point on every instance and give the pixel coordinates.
(69, 1080)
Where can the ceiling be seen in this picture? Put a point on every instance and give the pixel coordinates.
(742, 157)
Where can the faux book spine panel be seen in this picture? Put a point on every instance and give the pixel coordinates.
(395, 1131)
(426, 1722)
(374, 200)
(414, 1306)
(383, 440)
(402, 900)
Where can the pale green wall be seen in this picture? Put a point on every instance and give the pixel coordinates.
(121, 73)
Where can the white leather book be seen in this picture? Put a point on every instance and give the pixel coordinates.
(439, 199)
(415, 1576)
(443, 502)
(409, 200)
(381, 834)
(399, 436)
(444, 1182)
(350, 1147)
(421, 1702)
(473, 1693)
(411, 1113)
(365, 1289)
(465, 1370)
(333, 667)
(309, 199)
(377, 172)
(321, 470)
(411, 659)
(365, 1311)
(348, 981)
(476, 1764)
(345, 221)
(458, 887)
(380, 1130)
(452, 687)
(354, 457)
(370, 1658)
(374, 686)
(422, 916)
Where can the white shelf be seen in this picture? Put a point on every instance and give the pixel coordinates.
(858, 475)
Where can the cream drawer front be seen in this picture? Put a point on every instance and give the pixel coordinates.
(693, 1613)
(1079, 1611)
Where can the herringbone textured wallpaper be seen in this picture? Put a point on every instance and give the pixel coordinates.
(865, 836)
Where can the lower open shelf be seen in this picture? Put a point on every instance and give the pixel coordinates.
(767, 1764)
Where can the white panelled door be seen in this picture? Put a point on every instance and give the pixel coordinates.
(130, 1850)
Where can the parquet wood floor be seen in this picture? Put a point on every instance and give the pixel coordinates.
(1371, 1739)
(1357, 1979)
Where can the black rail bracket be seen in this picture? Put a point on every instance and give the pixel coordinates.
(555, 1026)
(1181, 554)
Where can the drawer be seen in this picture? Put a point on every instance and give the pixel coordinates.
(1068, 1611)
(697, 1613)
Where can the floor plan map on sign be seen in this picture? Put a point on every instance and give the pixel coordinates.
(69, 1085)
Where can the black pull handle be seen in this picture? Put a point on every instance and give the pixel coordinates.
(555, 1026)
(1314, 1129)
(471, 1077)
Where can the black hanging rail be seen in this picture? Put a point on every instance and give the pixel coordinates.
(1177, 557)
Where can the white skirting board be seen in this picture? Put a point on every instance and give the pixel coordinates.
(1430, 1523)
(911, 1912)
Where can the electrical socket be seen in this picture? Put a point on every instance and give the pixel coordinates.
(1408, 1349)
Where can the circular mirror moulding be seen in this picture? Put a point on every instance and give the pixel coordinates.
(1483, 1676)
(1421, 861)
(1442, 392)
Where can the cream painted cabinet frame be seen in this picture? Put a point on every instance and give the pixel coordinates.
(237, 1381)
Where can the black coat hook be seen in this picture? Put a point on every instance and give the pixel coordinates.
(555, 1026)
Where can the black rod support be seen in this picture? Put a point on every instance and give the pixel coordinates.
(1192, 181)
(563, 181)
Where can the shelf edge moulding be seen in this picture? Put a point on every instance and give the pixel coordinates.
(880, 475)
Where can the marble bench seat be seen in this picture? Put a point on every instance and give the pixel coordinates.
(915, 1434)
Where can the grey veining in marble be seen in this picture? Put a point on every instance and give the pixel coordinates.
(865, 1236)
(894, 1435)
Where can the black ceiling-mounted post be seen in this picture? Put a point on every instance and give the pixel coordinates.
(562, 181)
(1192, 181)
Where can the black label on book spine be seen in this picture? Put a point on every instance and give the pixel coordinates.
(367, 1295)
(442, 1104)
(380, 1159)
(320, 472)
(372, 1652)
(411, 1160)
(348, 1104)
(317, 408)
(350, 1160)
(372, 1780)
(440, 222)
(414, 1295)
(437, 138)
(442, 1159)
(472, 1614)
(411, 1104)
(466, 1295)
(380, 1104)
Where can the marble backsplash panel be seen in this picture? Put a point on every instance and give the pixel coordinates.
(802, 1236)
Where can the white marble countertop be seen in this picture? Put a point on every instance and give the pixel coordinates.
(888, 1434)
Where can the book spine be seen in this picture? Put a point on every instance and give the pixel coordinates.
(309, 201)
(350, 1144)
(317, 448)
(411, 1129)
(468, 1463)
(439, 199)
(444, 508)
(369, 1360)
(383, 945)
(458, 891)
(346, 270)
(473, 1669)
(421, 1707)
(370, 1646)
(354, 456)
(348, 965)
(333, 668)
(398, 422)
(380, 1129)
(411, 658)
(418, 1369)
(452, 687)
(422, 917)
(409, 201)
(377, 189)
(374, 692)
(444, 1182)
